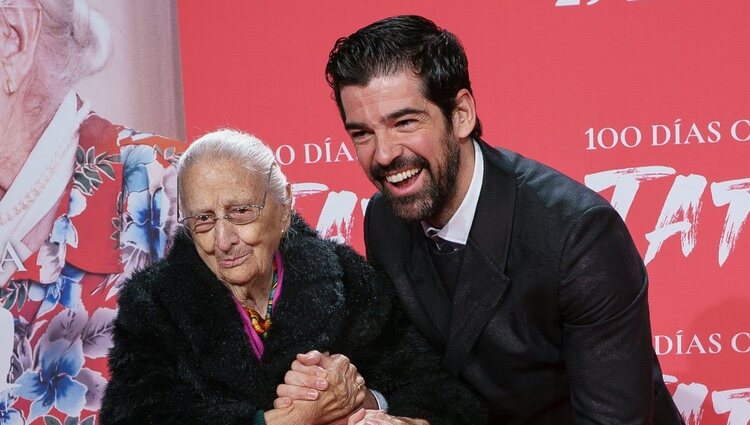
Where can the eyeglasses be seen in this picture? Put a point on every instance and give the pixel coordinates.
(243, 214)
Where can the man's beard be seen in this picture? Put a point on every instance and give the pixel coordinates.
(436, 193)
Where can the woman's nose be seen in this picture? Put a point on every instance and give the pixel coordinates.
(225, 234)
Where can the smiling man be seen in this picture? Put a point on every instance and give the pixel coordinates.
(527, 283)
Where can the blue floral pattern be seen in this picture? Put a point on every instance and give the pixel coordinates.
(66, 290)
(9, 415)
(117, 218)
(53, 384)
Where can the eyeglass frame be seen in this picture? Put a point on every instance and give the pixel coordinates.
(228, 217)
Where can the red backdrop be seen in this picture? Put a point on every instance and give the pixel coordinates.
(646, 101)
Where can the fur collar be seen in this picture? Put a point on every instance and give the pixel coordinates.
(310, 313)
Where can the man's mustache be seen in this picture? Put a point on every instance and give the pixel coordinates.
(401, 163)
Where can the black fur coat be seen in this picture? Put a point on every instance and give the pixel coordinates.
(181, 355)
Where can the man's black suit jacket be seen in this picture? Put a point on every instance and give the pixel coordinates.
(550, 320)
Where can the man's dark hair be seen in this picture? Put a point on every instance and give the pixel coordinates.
(403, 43)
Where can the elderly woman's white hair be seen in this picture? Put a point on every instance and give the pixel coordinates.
(74, 42)
(245, 149)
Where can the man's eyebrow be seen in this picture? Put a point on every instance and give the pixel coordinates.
(354, 125)
(404, 111)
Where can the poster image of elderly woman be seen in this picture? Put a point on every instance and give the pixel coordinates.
(83, 203)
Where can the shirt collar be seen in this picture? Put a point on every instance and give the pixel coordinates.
(458, 227)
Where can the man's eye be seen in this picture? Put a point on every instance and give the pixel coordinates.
(241, 211)
(358, 136)
(203, 218)
(406, 123)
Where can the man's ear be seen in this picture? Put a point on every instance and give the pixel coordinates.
(19, 32)
(464, 114)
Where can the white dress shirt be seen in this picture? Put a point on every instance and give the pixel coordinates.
(456, 231)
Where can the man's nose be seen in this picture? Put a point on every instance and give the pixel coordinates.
(386, 150)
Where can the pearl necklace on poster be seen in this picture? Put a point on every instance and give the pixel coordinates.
(34, 193)
(31, 196)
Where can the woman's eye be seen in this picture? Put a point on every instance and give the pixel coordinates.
(201, 218)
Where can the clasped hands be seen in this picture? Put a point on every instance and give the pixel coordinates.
(327, 389)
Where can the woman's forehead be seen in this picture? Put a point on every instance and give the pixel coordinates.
(220, 172)
(220, 183)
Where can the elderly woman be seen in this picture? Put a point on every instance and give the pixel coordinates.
(208, 334)
(83, 202)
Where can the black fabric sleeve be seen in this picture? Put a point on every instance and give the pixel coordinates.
(606, 331)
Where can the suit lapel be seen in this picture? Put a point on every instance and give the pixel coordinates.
(482, 280)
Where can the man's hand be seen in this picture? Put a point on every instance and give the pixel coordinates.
(378, 417)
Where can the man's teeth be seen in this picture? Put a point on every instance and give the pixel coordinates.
(398, 177)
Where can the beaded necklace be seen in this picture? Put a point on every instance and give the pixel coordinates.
(259, 324)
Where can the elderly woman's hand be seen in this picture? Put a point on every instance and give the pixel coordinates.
(303, 381)
(378, 417)
(328, 387)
